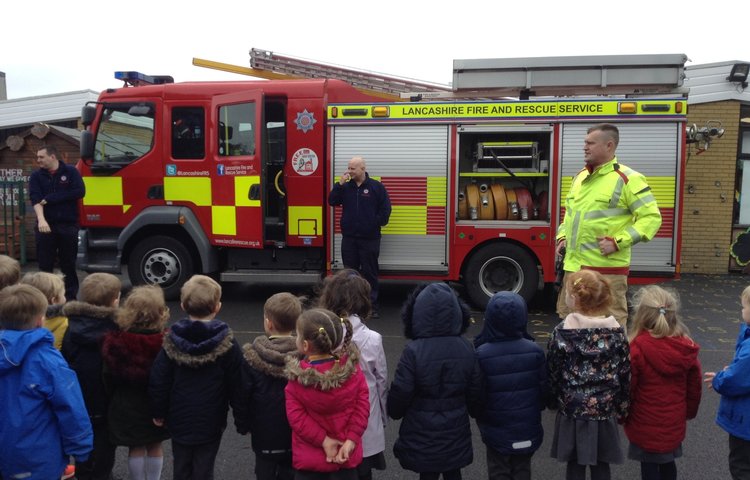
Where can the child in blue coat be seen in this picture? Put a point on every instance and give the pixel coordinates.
(515, 378)
(43, 419)
(733, 384)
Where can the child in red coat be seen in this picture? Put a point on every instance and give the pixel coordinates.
(327, 399)
(665, 386)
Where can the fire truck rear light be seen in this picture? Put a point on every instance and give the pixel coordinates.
(354, 112)
(661, 107)
(627, 107)
(334, 112)
(380, 111)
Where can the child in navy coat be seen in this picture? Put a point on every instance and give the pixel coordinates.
(437, 385)
(515, 376)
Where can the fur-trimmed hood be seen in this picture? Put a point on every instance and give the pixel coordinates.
(268, 354)
(195, 343)
(129, 355)
(325, 375)
(55, 310)
(88, 323)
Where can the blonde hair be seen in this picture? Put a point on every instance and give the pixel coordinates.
(746, 295)
(144, 308)
(200, 296)
(21, 306)
(100, 289)
(50, 284)
(10, 271)
(283, 309)
(656, 312)
(592, 291)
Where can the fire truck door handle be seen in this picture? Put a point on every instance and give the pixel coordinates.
(156, 192)
(254, 193)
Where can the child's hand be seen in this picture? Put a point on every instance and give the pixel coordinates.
(331, 448)
(159, 422)
(708, 378)
(345, 451)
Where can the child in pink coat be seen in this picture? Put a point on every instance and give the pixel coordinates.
(327, 399)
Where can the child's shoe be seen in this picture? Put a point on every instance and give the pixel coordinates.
(70, 472)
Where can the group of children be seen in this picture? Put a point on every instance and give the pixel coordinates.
(313, 391)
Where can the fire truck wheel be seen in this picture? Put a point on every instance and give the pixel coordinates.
(162, 261)
(500, 267)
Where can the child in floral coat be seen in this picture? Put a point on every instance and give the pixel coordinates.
(589, 374)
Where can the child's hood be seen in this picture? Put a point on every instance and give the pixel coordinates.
(52, 323)
(669, 355)
(322, 376)
(506, 318)
(88, 323)
(130, 354)
(268, 354)
(437, 312)
(16, 344)
(195, 343)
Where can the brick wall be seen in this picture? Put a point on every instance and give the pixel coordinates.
(709, 192)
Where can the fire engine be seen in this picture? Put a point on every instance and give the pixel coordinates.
(231, 178)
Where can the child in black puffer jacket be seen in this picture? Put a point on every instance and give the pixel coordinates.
(437, 385)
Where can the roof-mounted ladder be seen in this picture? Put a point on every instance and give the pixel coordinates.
(299, 67)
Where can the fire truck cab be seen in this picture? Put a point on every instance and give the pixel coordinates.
(232, 178)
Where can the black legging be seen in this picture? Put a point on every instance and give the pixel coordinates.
(600, 471)
(658, 471)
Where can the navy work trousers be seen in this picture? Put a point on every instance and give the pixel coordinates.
(361, 254)
(61, 244)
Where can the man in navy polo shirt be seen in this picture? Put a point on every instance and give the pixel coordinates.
(55, 189)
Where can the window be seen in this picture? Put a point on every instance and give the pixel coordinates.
(237, 130)
(125, 134)
(188, 137)
(742, 182)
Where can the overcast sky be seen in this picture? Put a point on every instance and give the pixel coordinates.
(60, 46)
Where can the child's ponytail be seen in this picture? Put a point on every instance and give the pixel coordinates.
(656, 311)
(348, 332)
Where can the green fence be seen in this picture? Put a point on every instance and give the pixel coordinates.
(13, 234)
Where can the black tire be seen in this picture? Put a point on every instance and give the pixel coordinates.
(500, 267)
(162, 261)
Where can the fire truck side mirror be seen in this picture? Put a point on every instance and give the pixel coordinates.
(225, 132)
(87, 146)
(88, 113)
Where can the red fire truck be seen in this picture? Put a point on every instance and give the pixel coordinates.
(231, 179)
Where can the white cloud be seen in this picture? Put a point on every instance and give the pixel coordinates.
(78, 45)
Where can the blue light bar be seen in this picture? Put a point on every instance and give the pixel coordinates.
(137, 78)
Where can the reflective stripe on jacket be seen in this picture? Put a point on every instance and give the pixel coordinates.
(614, 201)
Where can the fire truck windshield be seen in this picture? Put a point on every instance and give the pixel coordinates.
(125, 133)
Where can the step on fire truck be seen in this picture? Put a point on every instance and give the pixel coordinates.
(231, 178)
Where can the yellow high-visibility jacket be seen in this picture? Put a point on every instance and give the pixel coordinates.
(612, 201)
